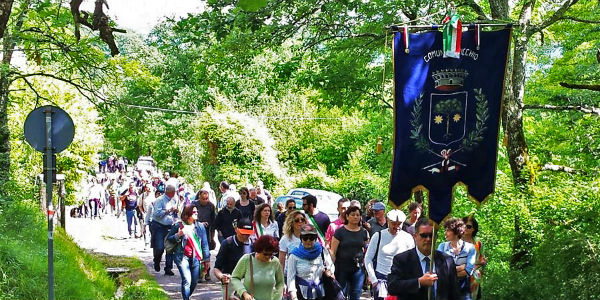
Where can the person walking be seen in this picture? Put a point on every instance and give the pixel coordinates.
(413, 275)
(414, 213)
(191, 253)
(163, 217)
(378, 222)
(384, 245)
(463, 254)
(130, 197)
(225, 219)
(264, 223)
(306, 265)
(470, 236)
(291, 235)
(343, 204)
(245, 206)
(290, 206)
(315, 217)
(258, 275)
(347, 250)
(230, 252)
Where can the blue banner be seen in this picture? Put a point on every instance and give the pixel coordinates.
(447, 115)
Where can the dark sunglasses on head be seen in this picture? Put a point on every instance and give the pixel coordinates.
(469, 226)
(426, 235)
(308, 237)
(299, 220)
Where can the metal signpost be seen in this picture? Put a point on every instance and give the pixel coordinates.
(58, 134)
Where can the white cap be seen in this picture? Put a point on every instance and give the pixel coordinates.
(355, 203)
(396, 215)
(346, 204)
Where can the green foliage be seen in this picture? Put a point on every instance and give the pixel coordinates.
(137, 283)
(24, 263)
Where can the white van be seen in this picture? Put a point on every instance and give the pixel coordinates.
(326, 201)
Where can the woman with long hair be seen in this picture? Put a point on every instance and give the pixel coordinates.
(191, 250)
(291, 235)
(463, 254)
(471, 229)
(258, 275)
(349, 263)
(264, 223)
(245, 206)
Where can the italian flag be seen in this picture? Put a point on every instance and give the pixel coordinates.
(452, 36)
(192, 239)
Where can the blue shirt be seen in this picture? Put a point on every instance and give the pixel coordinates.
(162, 208)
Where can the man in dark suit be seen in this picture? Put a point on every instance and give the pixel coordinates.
(410, 277)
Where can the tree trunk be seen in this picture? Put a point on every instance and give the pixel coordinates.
(4, 131)
(516, 143)
(8, 45)
(5, 10)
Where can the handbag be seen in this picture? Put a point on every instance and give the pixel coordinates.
(169, 245)
(333, 289)
(251, 277)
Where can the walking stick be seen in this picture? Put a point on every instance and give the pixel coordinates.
(431, 264)
(227, 291)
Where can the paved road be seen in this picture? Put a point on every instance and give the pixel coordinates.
(109, 235)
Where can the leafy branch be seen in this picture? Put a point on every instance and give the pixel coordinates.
(482, 113)
(416, 123)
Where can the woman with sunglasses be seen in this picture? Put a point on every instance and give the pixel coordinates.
(191, 249)
(463, 254)
(291, 235)
(347, 250)
(472, 227)
(307, 263)
(244, 204)
(258, 275)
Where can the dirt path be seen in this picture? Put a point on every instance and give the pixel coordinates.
(109, 235)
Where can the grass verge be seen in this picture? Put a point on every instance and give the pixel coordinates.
(137, 283)
(24, 259)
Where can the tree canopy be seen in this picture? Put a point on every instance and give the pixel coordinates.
(299, 94)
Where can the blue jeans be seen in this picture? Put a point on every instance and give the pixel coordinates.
(351, 282)
(159, 231)
(189, 268)
(131, 219)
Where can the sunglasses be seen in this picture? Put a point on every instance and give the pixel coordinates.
(300, 220)
(469, 226)
(426, 235)
(309, 237)
(291, 207)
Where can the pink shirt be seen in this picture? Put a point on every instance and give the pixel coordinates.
(332, 228)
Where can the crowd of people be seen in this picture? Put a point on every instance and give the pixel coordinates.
(269, 251)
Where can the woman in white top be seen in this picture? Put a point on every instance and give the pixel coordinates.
(264, 223)
(386, 244)
(291, 235)
(307, 264)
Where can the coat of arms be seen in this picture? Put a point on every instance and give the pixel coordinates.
(446, 124)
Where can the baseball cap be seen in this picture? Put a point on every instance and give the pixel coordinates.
(396, 215)
(308, 229)
(378, 206)
(346, 204)
(245, 226)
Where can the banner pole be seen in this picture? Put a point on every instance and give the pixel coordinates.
(431, 264)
